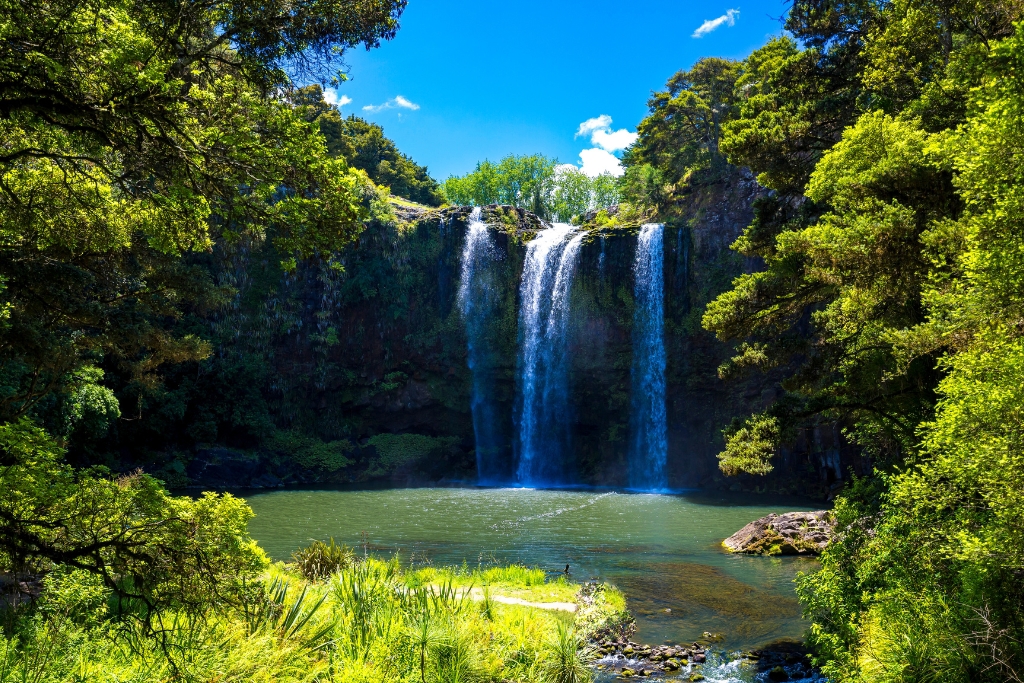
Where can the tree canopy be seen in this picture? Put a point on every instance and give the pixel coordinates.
(533, 182)
(362, 145)
(133, 133)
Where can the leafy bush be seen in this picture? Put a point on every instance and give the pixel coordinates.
(155, 551)
(319, 560)
(312, 453)
(395, 450)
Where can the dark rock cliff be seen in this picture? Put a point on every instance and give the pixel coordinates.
(353, 367)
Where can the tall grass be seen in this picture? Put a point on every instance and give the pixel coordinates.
(370, 622)
(514, 574)
(567, 658)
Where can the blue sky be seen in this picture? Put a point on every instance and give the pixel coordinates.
(465, 81)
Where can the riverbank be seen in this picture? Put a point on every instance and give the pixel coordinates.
(663, 552)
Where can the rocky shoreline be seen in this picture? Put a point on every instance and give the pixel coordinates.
(620, 657)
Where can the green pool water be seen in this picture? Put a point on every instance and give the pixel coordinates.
(663, 551)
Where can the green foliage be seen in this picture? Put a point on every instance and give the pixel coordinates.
(567, 658)
(514, 574)
(362, 145)
(135, 134)
(396, 450)
(681, 135)
(369, 621)
(152, 550)
(319, 560)
(535, 183)
(572, 194)
(858, 273)
(909, 254)
(523, 181)
(750, 446)
(311, 453)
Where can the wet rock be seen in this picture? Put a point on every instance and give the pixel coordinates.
(793, 533)
(778, 674)
(672, 665)
(696, 677)
(627, 672)
(698, 657)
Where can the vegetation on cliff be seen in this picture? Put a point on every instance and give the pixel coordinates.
(888, 135)
(362, 145)
(537, 183)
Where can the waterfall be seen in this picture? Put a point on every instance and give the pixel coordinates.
(478, 303)
(649, 424)
(544, 413)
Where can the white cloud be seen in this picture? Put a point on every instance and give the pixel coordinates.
(597, 123)
(601, 134)
(405, 104)
(729, 18)
(398, 102)
(601, 158)
(596, 161)
(331, 97)
(613, 140)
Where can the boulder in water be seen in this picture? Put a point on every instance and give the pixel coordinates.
(793, 533)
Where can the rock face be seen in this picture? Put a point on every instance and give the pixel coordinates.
(793, 533)
(319, 370)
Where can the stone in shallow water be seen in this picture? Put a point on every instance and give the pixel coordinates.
(793, 533)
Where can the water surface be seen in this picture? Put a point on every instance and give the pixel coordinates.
(663, 551)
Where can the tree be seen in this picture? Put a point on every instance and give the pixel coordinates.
(133, 132)
(835, 295)
(536, 183)
(523, 181)
(572, 195)
(681, 135)
(154, 551)
(363, 145)
(941, 558)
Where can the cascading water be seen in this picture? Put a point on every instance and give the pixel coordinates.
(478, 302)
(648, 420)
(544, 412)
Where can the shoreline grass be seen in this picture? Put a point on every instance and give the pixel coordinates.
(369, 621)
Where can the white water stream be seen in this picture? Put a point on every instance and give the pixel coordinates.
(544, 412)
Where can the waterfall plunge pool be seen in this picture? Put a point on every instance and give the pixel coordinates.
(663, 551)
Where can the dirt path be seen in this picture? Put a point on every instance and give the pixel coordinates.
(477, 594)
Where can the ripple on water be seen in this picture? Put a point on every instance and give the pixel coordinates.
(663, 551)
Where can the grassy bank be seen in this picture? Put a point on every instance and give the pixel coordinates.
(370, 620)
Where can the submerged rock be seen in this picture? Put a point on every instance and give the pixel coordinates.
(793, 533)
